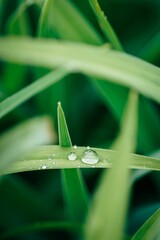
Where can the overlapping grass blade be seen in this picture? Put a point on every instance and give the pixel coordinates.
(109, 207)
(150, 229)
(76, 200)
(22, 138)
(109, 65)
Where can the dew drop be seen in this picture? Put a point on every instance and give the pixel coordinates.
(90, 157)
(75, 146)
(88, 147)
(72, 156)
(44, 167)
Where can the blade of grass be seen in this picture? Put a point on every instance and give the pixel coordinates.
(76, 201)
(109, 207)
(20, 139)
(105, 25)
(46, 20)
(150, 229)
(151, 50)
(35, 159)
(109, 65)
(42, 226)
(17, 24)
(78, 30)
(152, 131)
(26, 93)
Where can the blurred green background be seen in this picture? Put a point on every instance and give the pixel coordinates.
(93, 111)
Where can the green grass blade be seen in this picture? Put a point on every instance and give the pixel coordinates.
(151, 51)
(40, 156)
(110, 204)
(76, 201)
(105, 25)
(26, 93)
(64, 137)
(79, 30)
(46, 20)
(150, 229)
(109, 65)
(22, 138)
(42, 226)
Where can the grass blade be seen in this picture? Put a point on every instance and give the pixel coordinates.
(151, 51)
(40, 155)
(110, 204)
(64, 137)
(76, 200)
(79, 30)
(109, 65)
(26, 93)
(150, 229)
(105, 25)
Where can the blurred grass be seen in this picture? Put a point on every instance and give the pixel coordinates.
(93, 108)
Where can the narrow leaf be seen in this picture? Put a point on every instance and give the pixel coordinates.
(109, 65)
(105, 25)
(150, 229)
(39, 156)
(26, 93)
(75, 193)
(109, 207)
(64, 137)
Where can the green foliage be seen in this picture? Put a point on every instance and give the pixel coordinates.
(73, 52)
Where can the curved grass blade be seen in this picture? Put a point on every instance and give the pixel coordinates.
(109, 65)
(26, 93)
(75, 192)
(150, 229)
(105, 25)
(109, 207)
(39, 156)
(42, 226)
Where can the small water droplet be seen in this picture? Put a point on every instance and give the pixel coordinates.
(72, 156)
(90, 157)
(75, 146)
(44, 167)
(88, 147)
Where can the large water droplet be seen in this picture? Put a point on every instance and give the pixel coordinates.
(72, 156)
(75, 146)
(90, 157)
